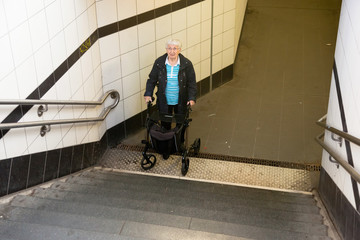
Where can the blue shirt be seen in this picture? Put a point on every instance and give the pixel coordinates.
(172, 86)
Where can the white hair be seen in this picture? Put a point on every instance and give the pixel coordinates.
(173, 42)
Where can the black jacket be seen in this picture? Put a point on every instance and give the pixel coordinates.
(187, 83)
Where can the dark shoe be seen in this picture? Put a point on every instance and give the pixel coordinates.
(165, 156)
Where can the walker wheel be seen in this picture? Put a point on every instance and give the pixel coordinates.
(148, 161)
(185, 166)
(196, 146)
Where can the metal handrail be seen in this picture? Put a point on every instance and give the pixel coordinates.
(47, 123)
(354, 174)
(338, 132)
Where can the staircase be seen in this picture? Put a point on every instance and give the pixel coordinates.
(106, 205)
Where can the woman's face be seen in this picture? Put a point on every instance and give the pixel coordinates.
(173, 51)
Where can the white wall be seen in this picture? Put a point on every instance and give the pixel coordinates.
(36, 36)
(127, 56)
(347, 57)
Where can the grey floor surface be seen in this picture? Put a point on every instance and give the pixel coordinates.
(280, 88)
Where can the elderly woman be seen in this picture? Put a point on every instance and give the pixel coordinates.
(176, 81)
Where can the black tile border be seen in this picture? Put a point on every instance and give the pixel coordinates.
(26, 171)
(342, 213)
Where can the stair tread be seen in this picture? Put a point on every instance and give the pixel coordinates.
(130, 230)
(134, 210)
(195, 185)
(66, 220)
(228, 191)
(196, 224)
(184, 197)
(31, 231)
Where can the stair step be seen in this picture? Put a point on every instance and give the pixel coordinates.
(267, 219)
(155, 193)
(129, 231)
(202, 232)
(171, 183)
(101, 211)
(31, 231)
(66, 220)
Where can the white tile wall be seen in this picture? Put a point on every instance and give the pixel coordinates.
(111, 70)
(228, 57)
(229, 5)
(205, 68)
(75, 74)
(21, 49)
(128, 39)
(58, 49)
(15, 12)
(92, 18)
(71, 38)
(218, 25)
(132, 105)
(205, 49)
(144, 5)
(182, 36)
(132, 84)
(3, 26)
(217, 44)
(163, 26)
(144, 75)
(34, 6)
(147, 55)
(347, 57)
(43, 62)
(9, 87)
(205, 30)
(193, 35)
(178, 20)
(194, 53)
(229, 20)
(26, 75)
(146, 32)
(130, 62)
(160, 46)
(80, 7)
(67, 11)
(15, 142)
(121, 61)
(205, 10)
(228, 39)
(126, 9)
(109, 47)
(193, 14)
(6, 58)
(54, 18)
(86, 65)
(83, 28)
(217, 62)
(2, 149)
(38, 30)
(106, 11)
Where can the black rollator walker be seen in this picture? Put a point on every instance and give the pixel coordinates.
(165, 141)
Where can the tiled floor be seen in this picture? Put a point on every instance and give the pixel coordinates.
(280, 87)
(224, 172)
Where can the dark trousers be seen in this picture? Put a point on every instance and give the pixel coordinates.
(167, 125)
(171, 109)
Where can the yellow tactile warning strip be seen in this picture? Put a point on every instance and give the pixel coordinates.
(213, 170)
